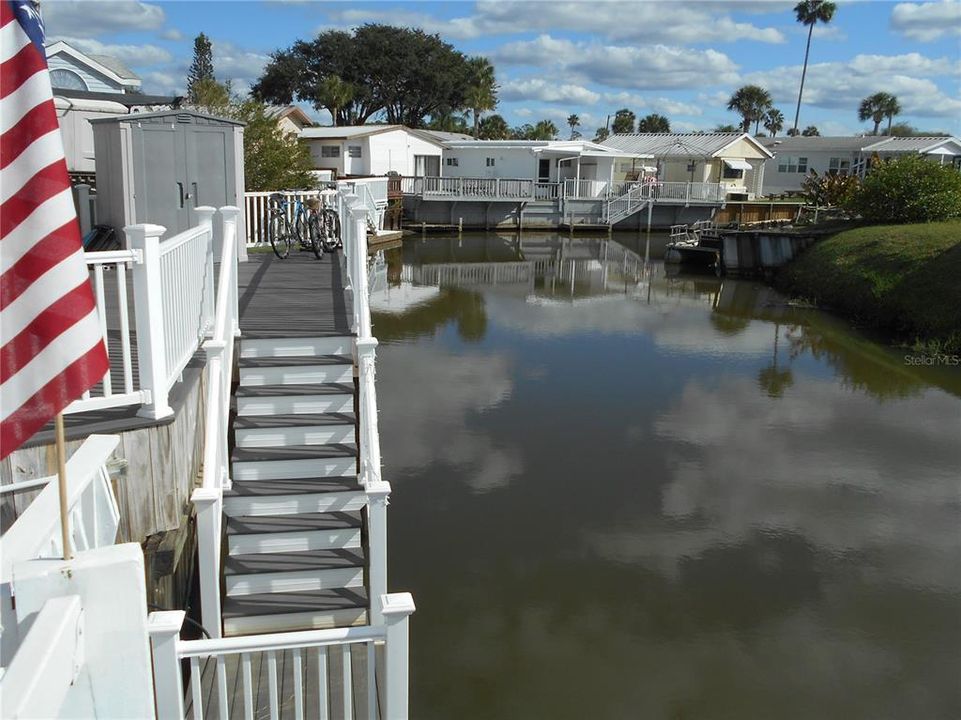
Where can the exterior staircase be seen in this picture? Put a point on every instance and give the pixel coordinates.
(637, 198)
(295, 529)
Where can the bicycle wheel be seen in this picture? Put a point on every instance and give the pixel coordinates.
(331, 226)
(314, 231)
(300, 232)
(279, 236)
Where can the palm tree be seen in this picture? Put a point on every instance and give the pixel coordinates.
(623, 121)
(481, 93)
(494, 127)
(751, 102)
(574, 122)
(891, 108)
(601, 134)
(810, 13)
(544, 130)
(774, 121)
(811, 131)
(876, 107)
(654, 123)
(334, 94)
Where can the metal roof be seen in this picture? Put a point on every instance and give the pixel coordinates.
(444, 136)
(116, 65)
(347, 132)
(912, 144)
(568, 147)
(676, 144)
(163, 116)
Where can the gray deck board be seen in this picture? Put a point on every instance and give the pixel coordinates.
(297, 297)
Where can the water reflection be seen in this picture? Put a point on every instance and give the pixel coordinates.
(621, 493)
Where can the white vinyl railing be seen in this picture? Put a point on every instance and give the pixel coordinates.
(317, 660)
(187, 288)
(208, 498)
(354, 230)
(113, 266)
(256, 215)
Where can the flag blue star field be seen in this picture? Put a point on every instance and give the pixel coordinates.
(51, 346)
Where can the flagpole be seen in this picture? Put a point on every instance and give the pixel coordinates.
(62, 483)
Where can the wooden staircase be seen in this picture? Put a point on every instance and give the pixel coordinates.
(294, 519)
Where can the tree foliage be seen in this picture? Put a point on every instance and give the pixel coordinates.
(494, 127)
(811, 131)
(728, 128)
(543, 130)
(201, 71)
(601, 134)
(909, 189)
(751, 102)
(481, 94)
(623, 121)
(574, 122)
(402, 73)
(830, 189)
(774, 121)
(654, 123)
(878, 106)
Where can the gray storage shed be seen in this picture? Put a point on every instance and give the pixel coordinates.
(157, 167)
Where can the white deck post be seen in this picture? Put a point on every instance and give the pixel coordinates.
(229, 216)
(397, 609)
(377, 496)
(164, 628)
(209, 502)
(148, 299)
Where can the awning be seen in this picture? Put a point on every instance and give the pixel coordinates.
(737, 164)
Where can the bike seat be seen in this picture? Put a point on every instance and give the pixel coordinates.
(277, 198)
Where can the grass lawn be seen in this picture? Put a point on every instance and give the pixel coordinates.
(903, 279)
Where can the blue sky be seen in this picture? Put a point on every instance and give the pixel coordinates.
(681, 59)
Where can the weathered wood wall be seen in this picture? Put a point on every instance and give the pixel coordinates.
(754, 212)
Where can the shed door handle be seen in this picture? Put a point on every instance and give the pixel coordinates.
(180, 190)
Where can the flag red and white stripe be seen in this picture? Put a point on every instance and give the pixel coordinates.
(51, 348)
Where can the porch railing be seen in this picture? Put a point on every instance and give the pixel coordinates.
(208, 498)
(256, 205)
(316, 661)
(173, 309)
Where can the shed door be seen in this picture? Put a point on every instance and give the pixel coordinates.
(160, 188)
(209, 172)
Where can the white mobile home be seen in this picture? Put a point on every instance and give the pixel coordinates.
(795, 157)
(735, 160)
(543, 161)
(363, 150)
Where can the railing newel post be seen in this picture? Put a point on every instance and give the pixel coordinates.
(164, 630)
(209, 503)
(397, 609)
(148, 299)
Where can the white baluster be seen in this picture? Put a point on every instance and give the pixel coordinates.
(164, 629)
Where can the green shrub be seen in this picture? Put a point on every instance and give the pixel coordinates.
(829, 190)
(909, 189)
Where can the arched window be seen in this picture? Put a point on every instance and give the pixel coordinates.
(66, 80)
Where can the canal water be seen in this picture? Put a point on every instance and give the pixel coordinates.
(619, 493)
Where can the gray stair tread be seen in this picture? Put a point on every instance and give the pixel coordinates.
(298, 389)
(252, 422)
(303, 522)
(294, 602)
(293, 561)
(295, 360)
(293, 452)
(293, 486)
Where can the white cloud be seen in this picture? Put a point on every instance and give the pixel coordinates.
(91, 18)
(666, 22)
(927, 21)
(545, 91)
(842, 85)
(139, 55)
(172, 34)
(641, 104)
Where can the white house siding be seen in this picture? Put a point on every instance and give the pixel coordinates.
(96, 82)
(517, 162)
(335, 164)
(74, 117)
(777, 182)
(394, 151)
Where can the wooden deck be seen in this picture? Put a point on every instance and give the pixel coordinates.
(297, 297)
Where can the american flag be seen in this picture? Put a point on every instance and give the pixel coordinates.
(51, 349)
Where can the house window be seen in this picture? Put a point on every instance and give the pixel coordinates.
(329, 151)
(839, 166)
(354, 151)
(451, 162)
(788, 164)
(67, 80)
(732, 173)
(490, 162)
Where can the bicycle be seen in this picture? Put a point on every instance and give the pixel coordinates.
(325, 221)
(282, 233)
